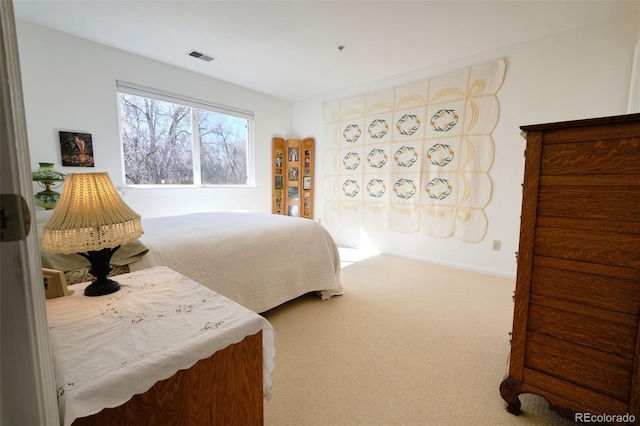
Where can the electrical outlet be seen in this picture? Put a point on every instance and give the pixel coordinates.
(496, 245)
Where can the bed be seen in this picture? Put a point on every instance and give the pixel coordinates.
(258, 260)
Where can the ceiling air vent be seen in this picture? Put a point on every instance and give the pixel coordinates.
(202, 56)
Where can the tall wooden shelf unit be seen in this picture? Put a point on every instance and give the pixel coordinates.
(293, 177)
(575, 337)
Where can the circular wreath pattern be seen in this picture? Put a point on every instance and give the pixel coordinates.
(376, 188)
(351, 160)
(404, 188)
(408, 124)
(378, 128)
(350, 188)
(377, 158)
(440, 154)
(406, 156)
(438, 188)
(444, 120)
(352, 133)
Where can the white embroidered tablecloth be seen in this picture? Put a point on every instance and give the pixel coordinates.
(109, 348)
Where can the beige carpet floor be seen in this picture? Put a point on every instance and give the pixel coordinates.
(409, 343)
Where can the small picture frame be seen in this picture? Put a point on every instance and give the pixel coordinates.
(292, 193)
(76, 149)
(55, 284)
(279, 184)
(293, 173)
(306, 183)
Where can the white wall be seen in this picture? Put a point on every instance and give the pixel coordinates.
(70, 84)
(579, 74)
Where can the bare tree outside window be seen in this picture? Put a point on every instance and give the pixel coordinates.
(162, 144)
(223, 149)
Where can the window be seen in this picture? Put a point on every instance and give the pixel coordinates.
(172, 140)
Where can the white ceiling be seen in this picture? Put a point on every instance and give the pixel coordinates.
(289, 49)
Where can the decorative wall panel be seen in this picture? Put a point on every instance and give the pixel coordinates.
(415, 157)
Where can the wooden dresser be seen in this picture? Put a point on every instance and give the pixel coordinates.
(575, 337)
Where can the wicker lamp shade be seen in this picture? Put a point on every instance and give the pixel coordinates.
(90, 216)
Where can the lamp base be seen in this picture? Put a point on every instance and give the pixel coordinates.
(47, 199)
(102, 287)
(100, 268)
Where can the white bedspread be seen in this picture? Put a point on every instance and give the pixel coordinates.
(109, 348)
(258, 260)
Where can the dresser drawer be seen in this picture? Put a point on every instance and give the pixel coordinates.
(589, 289)
(571, 396)
(589, 202)
(591, 332)
(589, 155)
(575, 364)
(607, 248)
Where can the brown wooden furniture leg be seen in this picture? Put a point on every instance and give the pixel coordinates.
(510, 390)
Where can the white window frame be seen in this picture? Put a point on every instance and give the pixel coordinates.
(160, 95)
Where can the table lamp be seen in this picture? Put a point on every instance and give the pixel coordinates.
(46, 176)
(91, 219)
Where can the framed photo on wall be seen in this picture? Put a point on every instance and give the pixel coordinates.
(77, 149)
